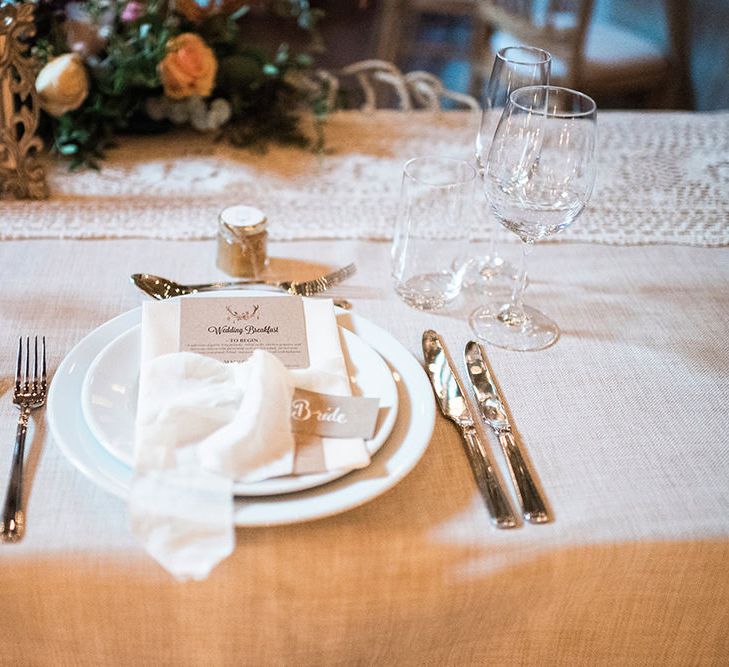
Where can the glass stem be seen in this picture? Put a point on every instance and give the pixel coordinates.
(514, 313)
(492, 244)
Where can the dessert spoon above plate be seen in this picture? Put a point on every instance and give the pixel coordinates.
(163, 288)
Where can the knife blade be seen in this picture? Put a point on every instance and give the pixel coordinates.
(453, 405)
(493, 413)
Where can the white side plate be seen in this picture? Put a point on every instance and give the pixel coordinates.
(404, 448)
(109, 404)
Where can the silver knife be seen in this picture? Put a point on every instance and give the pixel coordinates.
(453, 405)
(494, 414)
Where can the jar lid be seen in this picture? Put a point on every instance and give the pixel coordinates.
(243, 220)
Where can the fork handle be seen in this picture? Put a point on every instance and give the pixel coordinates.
(13, 521)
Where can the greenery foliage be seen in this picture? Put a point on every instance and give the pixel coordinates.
(122, 59)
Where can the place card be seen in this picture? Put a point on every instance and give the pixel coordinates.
(230, 330)
(330, 416)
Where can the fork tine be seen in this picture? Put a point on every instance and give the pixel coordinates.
(36, 377)
(20, 364)
(345, 271)
(339, 275)
(333, 278)
(45, 375)
(27, 361)
(322, 283)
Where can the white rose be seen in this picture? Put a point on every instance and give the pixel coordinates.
(62, 84)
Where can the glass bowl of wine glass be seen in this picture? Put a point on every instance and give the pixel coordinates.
(538, 178)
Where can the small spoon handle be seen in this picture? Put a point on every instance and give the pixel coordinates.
(246, 282)
(339, 303)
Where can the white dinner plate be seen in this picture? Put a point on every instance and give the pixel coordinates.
(109, 404)
(400, 453)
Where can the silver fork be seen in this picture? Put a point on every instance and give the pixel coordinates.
(29, 394)
(163, 288)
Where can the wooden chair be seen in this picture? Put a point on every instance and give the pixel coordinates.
(380, 83)
(397, 26)
(598, 58)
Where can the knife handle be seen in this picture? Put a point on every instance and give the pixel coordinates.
(535, 511)
(488, 482)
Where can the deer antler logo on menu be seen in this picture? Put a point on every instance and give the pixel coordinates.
(244, 316)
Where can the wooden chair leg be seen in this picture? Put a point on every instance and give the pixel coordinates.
(479, 54)
(389, 29)
(666, 95)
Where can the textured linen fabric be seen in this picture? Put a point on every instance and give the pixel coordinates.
(624, 420)
(662, 178)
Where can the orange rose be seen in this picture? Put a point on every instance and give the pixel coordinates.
(188, 68)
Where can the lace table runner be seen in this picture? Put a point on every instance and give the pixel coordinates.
(663, 179)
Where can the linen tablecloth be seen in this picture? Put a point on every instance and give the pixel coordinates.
(624, 420)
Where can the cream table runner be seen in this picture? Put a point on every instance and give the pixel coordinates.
(663, 178)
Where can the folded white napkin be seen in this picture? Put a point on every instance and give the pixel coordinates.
(235, 416)
(202, 424)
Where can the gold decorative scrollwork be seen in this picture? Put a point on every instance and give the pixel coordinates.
(21, 173)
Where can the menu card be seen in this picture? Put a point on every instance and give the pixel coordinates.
(230, 329)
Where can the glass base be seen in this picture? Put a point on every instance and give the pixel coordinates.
(429, 291)
(489, 274)
(492, 323)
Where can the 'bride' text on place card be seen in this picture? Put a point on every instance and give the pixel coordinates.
(231, 329)
(333, 416)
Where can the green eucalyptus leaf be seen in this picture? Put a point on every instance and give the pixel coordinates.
(250, 77)
(240, 12)
(282, 55)
(68, 149)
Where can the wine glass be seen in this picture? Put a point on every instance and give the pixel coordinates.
(538, 178)
(514, 67)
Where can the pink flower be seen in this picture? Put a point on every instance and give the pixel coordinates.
(87, 35)
(132, 11)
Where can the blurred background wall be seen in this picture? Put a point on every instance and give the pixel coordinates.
(351, 28)
(707, 27)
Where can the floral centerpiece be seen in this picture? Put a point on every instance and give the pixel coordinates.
(110, 67)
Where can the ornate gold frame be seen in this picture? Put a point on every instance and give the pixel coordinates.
(21, 173)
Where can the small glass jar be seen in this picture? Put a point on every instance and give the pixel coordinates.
(242, 241)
